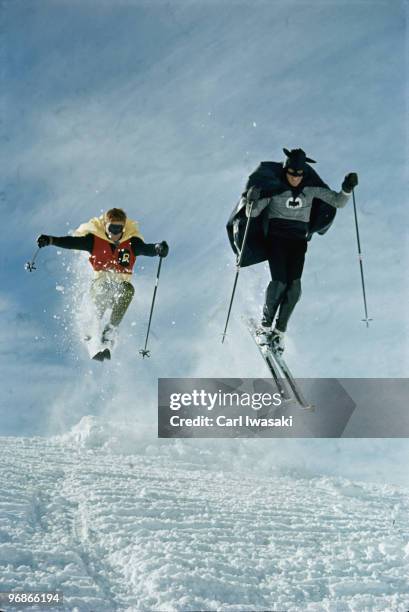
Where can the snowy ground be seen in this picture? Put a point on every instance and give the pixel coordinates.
(164, 530)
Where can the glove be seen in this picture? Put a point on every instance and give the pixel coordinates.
(350, 181)
(162, 248)
(44, 240)
(253, 194)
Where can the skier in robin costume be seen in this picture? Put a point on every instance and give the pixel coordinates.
(288, 202)
(113, 242)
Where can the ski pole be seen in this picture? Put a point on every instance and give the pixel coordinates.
(144, 352)
(30, 265)
(366, 320)
(238, 266)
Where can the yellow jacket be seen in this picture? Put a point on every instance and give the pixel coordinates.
(96, 226)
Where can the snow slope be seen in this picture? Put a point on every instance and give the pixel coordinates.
(168, 530)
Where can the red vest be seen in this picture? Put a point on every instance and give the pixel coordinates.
(121, 259)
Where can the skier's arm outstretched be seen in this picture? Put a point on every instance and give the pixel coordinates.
(335, 199)
(86, 243)
(140, 247)
(78, 243)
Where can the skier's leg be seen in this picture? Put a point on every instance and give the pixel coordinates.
(121, 294)
(278, 284)
(291, 297)
(123, 297)
(101, 296)
(274, 295)
(295, 266)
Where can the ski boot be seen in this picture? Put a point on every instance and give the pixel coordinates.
(101, 355)
(108, 337)
(277, 341)
(264, 335)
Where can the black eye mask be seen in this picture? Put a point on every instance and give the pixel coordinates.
(292, 172)
(115, 229)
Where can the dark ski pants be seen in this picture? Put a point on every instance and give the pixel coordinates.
(286, 261)
(111, 294)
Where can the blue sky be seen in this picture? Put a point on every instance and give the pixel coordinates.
(163, 108)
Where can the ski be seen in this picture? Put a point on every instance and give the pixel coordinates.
(303, 403)
(279, 370)
(266, 354)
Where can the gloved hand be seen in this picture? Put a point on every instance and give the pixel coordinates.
(253, 194)
(350, 181)
(252, 197)
(44, 240)
(162, 248)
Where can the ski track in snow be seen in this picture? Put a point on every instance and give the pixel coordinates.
(133, 532)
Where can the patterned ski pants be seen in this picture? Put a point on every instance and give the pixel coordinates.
(107, 294)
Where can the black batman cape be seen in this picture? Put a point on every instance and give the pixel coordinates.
(269, 176)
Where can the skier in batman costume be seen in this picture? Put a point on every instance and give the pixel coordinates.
(114, 242)
(288, 203)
